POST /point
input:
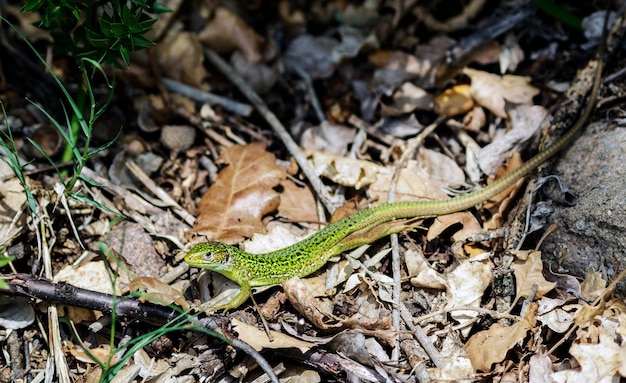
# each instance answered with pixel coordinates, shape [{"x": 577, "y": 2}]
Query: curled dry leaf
[
  {"x": 13, "y": 199},
  {"x": 150, "y": 367},
  {"x": 320, "y": 311},
  {"x": 421, "y": 273},
  {"x": 557, "y": 316},
  {"x": 454, "y": 101},
  {"x": 529, "y": 272},
  {"x": 498, "y": 205},
  {"x": 346, "y": 171},
  {"x": 412, "y": 184},
  {"x": 319, "y": 56},
  {"x": 232, "y": 208},
  {"x": 102, "y": 353},
  {"x": 593, "y": 286},
  {"x": 407, "y": 99},
  {"x": 469, "y": 226},
  {"x": 491, "y": 91},
  {"x": 155, "y": 291},
  {"x": 457, "y": 367},
  {"x": 297, "y": 203},
  {"x": 525, "y": 121},
  {"x": 466, "y": 286},
  {"x": 227, "y": 32},
  {"x": 600, "y": 360},
  {"x": 180, "y": 58},
  {"x": 327, "y": 137},
  {"x": 491, "y": 346},
  {"x": 258, "y": 338},
  {"x": 440, "y": 167}
]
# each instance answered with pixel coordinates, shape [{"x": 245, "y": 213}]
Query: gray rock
[{"x": 592, "y": 233}]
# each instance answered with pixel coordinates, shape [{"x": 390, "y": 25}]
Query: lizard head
[{"x": 214, "y": 256}]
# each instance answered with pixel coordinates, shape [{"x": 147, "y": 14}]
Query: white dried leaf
[
  {"x": 346, "y": 171},
  {"x": 491, "y": 91}
]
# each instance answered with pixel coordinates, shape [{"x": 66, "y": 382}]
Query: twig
[
  {"x": 159, "y": 192},
  {"x": 126, "y": 308},
  {"x": 395, "y": 254},
  {"x": 421, "y": 336},
  {"x": 209, "y": 98},
  {"x": 273, "y": 121},
  {"x": 315, "y": 103}
]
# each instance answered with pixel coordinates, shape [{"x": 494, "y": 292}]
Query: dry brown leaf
[
  {"x": 491, "y": 346},
  {"x": 150, "y": 366},
  {"x": 454, "y": 101},
  {"x": 466, "y": 287},
  {"x": 180, "y": 58},
  {"x": 101, "y": 353},
  {"x": 278, "y": 236},
  {"x": 469, "y": 226},
  {"x": 155, "y": 291},
  {"x": 412, "y": 184},
  {"x": 491, "y": 91},
  {"x": 499, "y": 204},
  {"x": 328, "y": 137},
  {"x": 525, "y": 122},
  {"x": 297, "y": 203},
  {"x": 421, "y": 273},
  {"x": 407, "y": 99},
  {"x": 258, "y": 338},
  {"x": 593, "y": 285},
  {"x": 530, "y": 272},
  {"x": 345, "y": 171},
  {"x": 227, "y": 32},
  {"x": 13, "y": 198},
  {"x": 555, "y": 315},
  {"x": 232, "y": 208},
  {"x": 319, "y": 311},
  {"x": 91, "y": 276},
  {"x": 601, "y": 358},
  {"x": 440, "y": 167}
]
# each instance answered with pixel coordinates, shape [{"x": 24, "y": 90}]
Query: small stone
[{"x": 178, "y": 138}]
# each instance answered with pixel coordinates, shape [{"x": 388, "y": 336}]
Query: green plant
[
  {"x": 4, "y": 260},
  {"x": 94, "y": 33},
  {"x": 103, "y": 31},
  {"x": 12, "y": 159},
  {"x": 84, "y": 122}
]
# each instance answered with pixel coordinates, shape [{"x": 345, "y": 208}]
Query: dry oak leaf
[
  {"x": 601, "y": 362},
  {"x": 490, "y": 90},
  {"x": 529, "y": 272},
  {"x": 232, "y": 208},
  {"x": 491, "y": 346}
]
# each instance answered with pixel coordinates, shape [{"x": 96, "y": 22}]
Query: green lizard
[{"x": 310, "y": 254}]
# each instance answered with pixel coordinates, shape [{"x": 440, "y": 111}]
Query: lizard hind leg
[{"x": 370, "y": 234}]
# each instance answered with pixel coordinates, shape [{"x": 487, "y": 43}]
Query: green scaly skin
[{"x": 310, "y": 254}]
